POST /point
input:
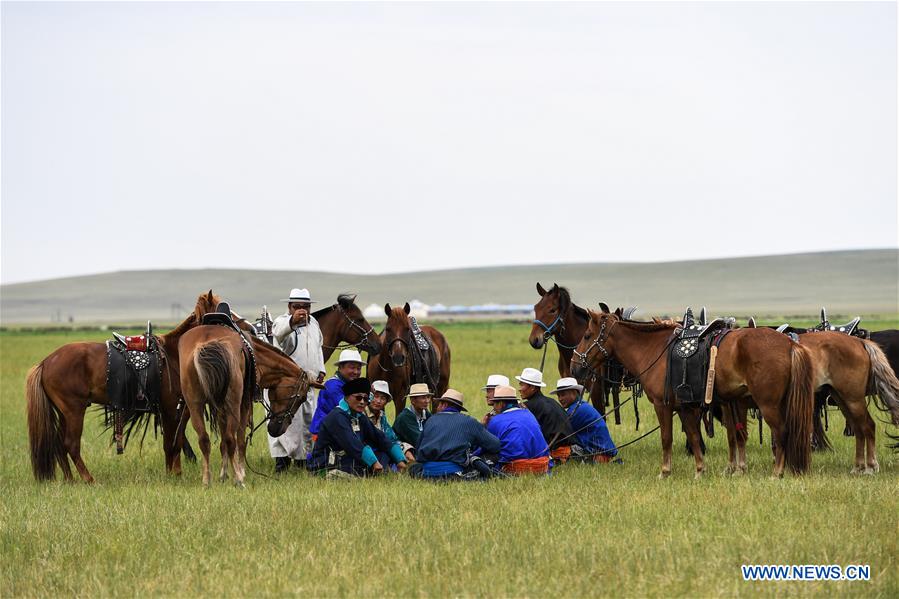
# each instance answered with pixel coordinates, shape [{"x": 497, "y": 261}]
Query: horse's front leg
[
  {"x": 73, "y": 424},
  {"x": 691, "y": 418},
  {"x": 665, "y": 416}
]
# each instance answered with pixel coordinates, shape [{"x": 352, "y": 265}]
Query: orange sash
[
  {"x": 561, "y": 454},
  {"x": 531, "y": 466}
]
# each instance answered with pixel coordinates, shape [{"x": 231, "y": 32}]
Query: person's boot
[
  {"x": 301, "y": 464},
  {"x": 282, "y": 464}
]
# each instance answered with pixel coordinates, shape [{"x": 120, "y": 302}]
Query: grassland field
[{"x": 609, "y": 530}]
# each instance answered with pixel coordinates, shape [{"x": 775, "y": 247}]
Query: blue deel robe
[
  {"x": 591, "y": 434},
  {"x": 519, "y": 435},
  {"x": 328, "y": 398}
]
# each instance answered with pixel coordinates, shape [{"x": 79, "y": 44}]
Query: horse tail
[
  {"x": 212, "y": 361},
  {"x": 44, "y": 430},
  {"x": 798, "y": 411},
  {"x": 883, "y": 385}
]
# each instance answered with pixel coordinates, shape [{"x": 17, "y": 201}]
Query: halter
[
  {"x": 597, "y": 343},
  {"x": 291, "y": 409},
  {"x": 549, "y": 332},
  {"x": 354, "y": 325},
  {"x": 387, "y": 346}
]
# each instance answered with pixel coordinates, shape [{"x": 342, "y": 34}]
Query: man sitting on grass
[
  {"x": 380, "y": 397},
  {"x": 410, "y": 422},
  {"x": 448, "y": 441},
  {"x": 593, "y": 441},
  {"x": 347, "y": 440},
  {"x": 523, "y": 449},
  {"x": 552, "y": 418}
]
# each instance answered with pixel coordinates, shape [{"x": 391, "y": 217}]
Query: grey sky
[{"x": 393, "y": 137}]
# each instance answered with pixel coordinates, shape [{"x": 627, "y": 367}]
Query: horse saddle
[
  {"x": 693, "y": 332},
  {"x": 133, "y": 373},
  {"x": 851, "y": 328},
  {"x": 688, "y": 358},
  {"x": 221, "y": 316},
  {"x": 421, "y": 340}
]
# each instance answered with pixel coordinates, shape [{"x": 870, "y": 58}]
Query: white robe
[{"x": 304, "y": 345}]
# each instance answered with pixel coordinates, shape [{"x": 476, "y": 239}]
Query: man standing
[
  {"x": 411, "y": 421},
  {"x": 448, "y": 441},
  {"x": 297, "y": 333},
  {"x": 552, "y": 418},
  {"x": 349, "y": 368},
  {"x": 347, "y": 441},
  {"x": 593, "y": 441},
  {"x": 523, "y": 449}
]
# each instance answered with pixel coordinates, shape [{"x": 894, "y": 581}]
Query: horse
[
  {"x": 849, "y": 369},
  {"x": 60, "y": 388},
  {"x": 343, "y": 322},
  {"x": 215, "y": 374},
  {"x": 401, "y": 362},
  {"x": 760, "y": 364}
]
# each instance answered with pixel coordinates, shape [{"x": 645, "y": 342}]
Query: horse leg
[
  {"x": 665, "y": 417},
  {"x": 742, "y": 438},
  {"x": 856, "y": 411},
  {"x": 170, "y": 441},
  {"x": 616, "y": 401},
  {"x": 691, "y": 428},
  {"x": 771, "y": 414},
  {"x": 74, "y": 424},
  {"x": 729, "y": 427},
  {"x": 196, "y": 419},
  {"x": 873, "y": 466}
]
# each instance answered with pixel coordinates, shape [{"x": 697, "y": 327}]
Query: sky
[{"x": 380, "y": 137}]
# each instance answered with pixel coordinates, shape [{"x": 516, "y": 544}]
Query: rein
[{"x": 353, "y": 325}]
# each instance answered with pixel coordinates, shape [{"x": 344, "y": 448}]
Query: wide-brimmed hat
[
  {"x": 454, "y": 397},
  {"x": 300, "y": 296},
  {"x": 495, "y": 380},
  {"x": 349, "y": 355},
  {"x": 360, "y": 385},
  {"x": 566, "y": 384},
  {"x": 419, "y": 390},
  {"x": 531, "y": 376},
  {"x": 505, "y": 393},
  {"x": 381, "y": 387}
]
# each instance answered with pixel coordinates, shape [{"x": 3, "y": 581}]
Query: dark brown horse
[
  {"x": 758, "y": 363},
  {"x": 214, "y": 374},
  {"x": 342, "y": 323},
  {"x": 401, "y": 363},
  {"x": 60, "y": 389}
]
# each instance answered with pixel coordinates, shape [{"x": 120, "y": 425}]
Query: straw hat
[
  {"x": 531, "y": 376},
  {"x": 505, "y": 393},
  {"x": 419, "y": 390},
  {"x": 454, "y": 397},
  {"x": 495, "y": 380},
  {"x": 566, "y": 384}
]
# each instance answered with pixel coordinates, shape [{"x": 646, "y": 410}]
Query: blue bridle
[{"x": 549, "y": 331}]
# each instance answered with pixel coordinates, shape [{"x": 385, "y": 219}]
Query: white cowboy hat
[
  {"x": 495, "y": 380},
  {"x": 566, "y": 384},
  {"x": 531, "y": 376},
  {"x": 381, "y": 387},
  {"x": 349, "y": 355},
  {"x": 300, "y": 296}
]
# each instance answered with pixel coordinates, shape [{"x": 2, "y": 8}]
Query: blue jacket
[
  {"x": 591, "y": 434},
  {"x": 353, "y": 434},
  {"x": 328, "y": 398},
  {"x": 450, "y": 436},
  {"x": 519, "y": 435}
]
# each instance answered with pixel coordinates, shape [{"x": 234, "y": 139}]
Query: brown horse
[
  {"x": 214, "y": 374},
  {"x": 343, "y": 322},
  {"x": 62, "y": 386},
  {"x": 401, "y": 363},
  {"x": 849, "y": 369},
  {"x": 557, "y": 317},
  {"x": 758, "y": 363}
]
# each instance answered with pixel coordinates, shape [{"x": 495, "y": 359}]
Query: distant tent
[{"x": 373, "y": 311}]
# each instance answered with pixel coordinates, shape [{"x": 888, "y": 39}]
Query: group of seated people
[{"x": 522, "y": 435}]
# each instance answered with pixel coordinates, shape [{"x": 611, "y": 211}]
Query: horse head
[
  {"x": 356, "y": 329},
  {"x": 549, "y": 314},
  {"x": 596, "y": 346},
  {"x": 398, "y": 333},
  {"x": 287, "y": 385},
  {"x": 206, "y": 303}
]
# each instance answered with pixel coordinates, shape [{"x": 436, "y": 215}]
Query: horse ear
[
  {"x": 603, "y": 307},
  {"x": 407, "y": 308},
  {"x": 209, "y": 297},
  {"x": 540, "y": 289},
  {"x": 555, "y": 288},
  {"x": 618, "y": 312},
  {"x": 387, "y": 309}
]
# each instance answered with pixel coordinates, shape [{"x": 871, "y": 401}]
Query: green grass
[{"x": 587, "y": 530}]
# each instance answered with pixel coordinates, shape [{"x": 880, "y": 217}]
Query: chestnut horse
[
  {"x": 213, "y": 373},
  {"x": 62, "y": 386},
  {"x": 758, "y": 363},
  {"x": 396, "y": 364},
  {"x": 850, "y": 369},
  {"x": 343, "y": 322}
]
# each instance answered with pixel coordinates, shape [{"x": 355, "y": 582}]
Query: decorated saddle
[
  {"x": 850, "y": 328},
  {"x": 425, "y": 365},
  {"x": 688, "y": 358}
]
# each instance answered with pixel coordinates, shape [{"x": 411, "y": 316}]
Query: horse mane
[
  {"x": 647, "y": 327},
  {"x": 565, "y": 302},
  {"x": 344, "y": 300},
  {"x": 256, "y": 343}
]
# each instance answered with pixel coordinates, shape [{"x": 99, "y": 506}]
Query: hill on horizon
[{"x": 860, "y": 282}]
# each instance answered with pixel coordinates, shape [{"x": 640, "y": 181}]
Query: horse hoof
[
  {"x": 239, "y": 484},
  {"x": 857, "y": 470},
  {"x": 664, "y": 475},
  {"x": 697, "y": 475},
  {"x": 729, "y": 470}
]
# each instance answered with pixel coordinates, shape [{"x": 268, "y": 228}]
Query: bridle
[
  {"x": 597, "y": 343},
  {"x": 388, "y": 345},
  {"x": 363, "y": 342},
  {"x": 550, "y": 332},
  {"x": 295, "y": 401}
]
